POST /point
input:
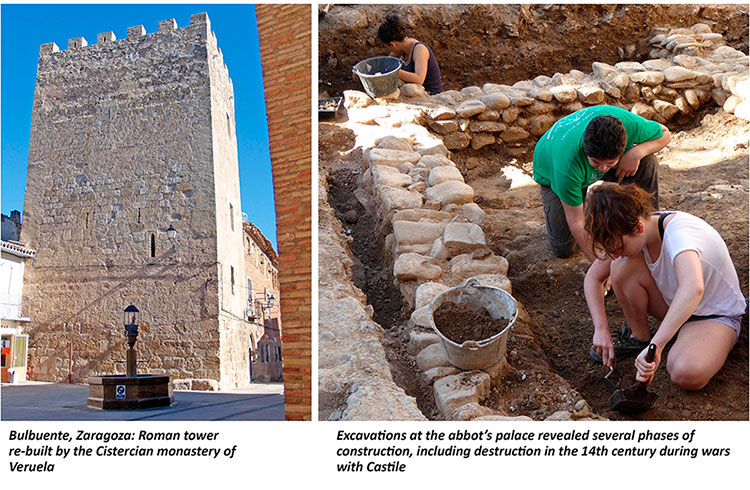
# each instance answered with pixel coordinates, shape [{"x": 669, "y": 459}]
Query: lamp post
[
  {"x": 130, "y": 320},
  {"x": 172, "y": 235}
]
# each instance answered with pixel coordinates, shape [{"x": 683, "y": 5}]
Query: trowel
[{"x": 637, "y": 399}]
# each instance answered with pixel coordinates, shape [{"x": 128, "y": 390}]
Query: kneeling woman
[
  {"x": 420, "y": 65},
  {"x": 671, "y": 265}
]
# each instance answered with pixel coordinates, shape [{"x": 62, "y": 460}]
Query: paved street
[{"x": 49, "y": 401}]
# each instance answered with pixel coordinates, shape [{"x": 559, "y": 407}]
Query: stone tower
[{"x": 128, "y": 138}]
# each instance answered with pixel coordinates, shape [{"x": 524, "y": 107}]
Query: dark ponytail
[{"x": 391, "y": 30}]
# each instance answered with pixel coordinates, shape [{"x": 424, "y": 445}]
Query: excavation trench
[{"x": 703, "y": 171}]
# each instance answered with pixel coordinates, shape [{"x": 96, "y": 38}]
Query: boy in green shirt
[{"x": 599, "y": 142}]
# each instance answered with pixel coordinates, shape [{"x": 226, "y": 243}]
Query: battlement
[{"x": 165, "y": 27}]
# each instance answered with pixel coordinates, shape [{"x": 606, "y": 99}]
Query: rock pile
[{"x": 690, "y": 67}]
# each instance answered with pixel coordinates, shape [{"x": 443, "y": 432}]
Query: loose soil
[
  {"x": 459, "y": 322},
  {"x": 704, "y": 171}
]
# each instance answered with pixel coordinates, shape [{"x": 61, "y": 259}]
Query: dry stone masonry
[
  {"x": 689, "y": 68},
  {"x": 425, "y": 210},
  {"x": 129, "y": 137}
]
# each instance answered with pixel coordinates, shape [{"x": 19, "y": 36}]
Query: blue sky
[{"x": 25, "y": 27}]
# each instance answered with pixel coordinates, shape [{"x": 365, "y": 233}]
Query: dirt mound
[{"x": 476, "y": 44}]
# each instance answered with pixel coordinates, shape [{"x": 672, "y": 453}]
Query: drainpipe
[{"x": 70, "y": 365}]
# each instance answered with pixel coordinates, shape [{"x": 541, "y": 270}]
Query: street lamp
[
  {"x": 130, "y": 320},
  {"x": 172, "y": 235}
]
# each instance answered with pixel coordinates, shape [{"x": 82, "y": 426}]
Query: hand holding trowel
[{"x": 637, "y": 399}]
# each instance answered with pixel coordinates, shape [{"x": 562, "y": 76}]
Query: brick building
[{"x": 285, "y": 47}]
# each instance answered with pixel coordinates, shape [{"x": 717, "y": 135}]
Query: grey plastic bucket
[
  {"x": 477, "y": 354},
  {"x": 379, "y": 75}
]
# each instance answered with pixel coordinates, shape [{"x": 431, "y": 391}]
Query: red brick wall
[{"x": 285, "y": 49}]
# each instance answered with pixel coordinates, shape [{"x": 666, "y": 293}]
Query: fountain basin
[{"x": 119, "y": 392}]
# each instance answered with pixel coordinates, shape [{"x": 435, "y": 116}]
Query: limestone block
[
  {"x": 474, "y": 213},
  {"x": 647, "y": 94},
  {"x": 498, "y": 370},
  {"x": 394, "y": 143},
  {"x": 356, "y": 99},
  {"x": 488, "y": 115},
  {"x": 560, "y": 415},
  {"x": 692, "y": 98},
  {"x": 629, "y": 67},
  {"x": 389, "y": 176},
  {"x": 486, "y": 126},
  {"x": 611, "y": 90},
  {"x": 667, "y": 92},
  {"x": 731, "y": 104},
  {"x": 438, "y": 175},
  {"x": 461, "y": 238},
  {"x": 433, "y": 374},
  {"x": 471, "y": 411},
  {"x": 678, "y": 74},
  {"x": 393, "y": 198},
  {"x": 513, "y": 134},
  {"x": 471, "y": 92},
  {"x": 457, "y": 140},
  {"x": 465, "y": 266},
  {"x": 470, "y": 108},
  {"x": 684, "y": 84},
  {"x": 666, "y": 109},
  {"x": 700, "y": 28},
  {"x": 564, "y": 94},
  {"x": 541, "y": 94},
  {"x": 714, "y": 40},
  {"x": 519, "y": 99},
  {"x": 421, "y": 317},
  {"x": 441, "y": 113},
  {"x": 496, "y": 280},
  {"x": 685, "y": 61},
  {"x": 727, "y": 52},
  {"x": 703, "y": 95},
  {"x": 591, "y": 94},
  {"x": 739, "y": 85},
  {"x": 419, "y": 340},
  {"x": 404, "y": 168},
  {"x": 650, "y": 78},
  {"x": 643, "y": 110},
  {"x": 412, "y": 266},
  {"x": 510, "y": 114},
  {"x": 432, "y": 161},
  {"x": 742, "y": 110},
  {"x": 413, "y": 232},
  {"x": 480, "y": 140},
  {"x": 419, "y": 173},
  {"x": 386, "y": 156},
  {"x": 428, "y": 204},
  {"x": 443, "y": 126},
  {"x": 538, "y": 125},
  {"x": 412, "y": 90},
  {"x": 496, "y": 101},
  {"x": 463, "y": 124},
  {"x": 426, "y": 292},
  {"x": 577, "y": 75},
  {"x": 658, "y": 64},
  {"x": 682, "y": 105},
  {"x": 540, "y": 107},
  {"x": 432, "y": 356},
  {"x": 435, "y": 147},
  {"x": 418, "y": 187},
  {"x": 506, "y": 418},
  {"x": 450, "y": 192},
  {"x": 451, "y": 392},
  {"x": 573, "y": 106},
  {"x": 439, "y": 250},
  {"x": 603, "y": 70}
]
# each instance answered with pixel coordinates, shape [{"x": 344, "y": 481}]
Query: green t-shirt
[{"x": 559, "y": 160}]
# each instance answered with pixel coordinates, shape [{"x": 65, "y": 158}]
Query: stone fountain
[{"x": 131, "y": 391}]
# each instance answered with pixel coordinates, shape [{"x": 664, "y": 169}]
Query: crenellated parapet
[{"x": 168, "y": 26}]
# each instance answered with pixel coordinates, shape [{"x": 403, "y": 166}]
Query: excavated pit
[{"x": 704, "y": 171}]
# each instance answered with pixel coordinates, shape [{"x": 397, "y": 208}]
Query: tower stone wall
[{"x": 128, "y": 138}]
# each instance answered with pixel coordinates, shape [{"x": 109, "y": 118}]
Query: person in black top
[{"x": 420, "y": 65}]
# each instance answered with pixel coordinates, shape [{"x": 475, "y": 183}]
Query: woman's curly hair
[
  {"x": 612, "y": 211},
  {"x": 392, "y": 29}
]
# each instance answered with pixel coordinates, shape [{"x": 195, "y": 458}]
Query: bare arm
[
  {"x": 630, "y": 160},
  {"x": 420, "y": 56},
  {"x": 686, "y": 299},
  {"x": 593, "y": 288},
  {"x": 574, "y": 217}
]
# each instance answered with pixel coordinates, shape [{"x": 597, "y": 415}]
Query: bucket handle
[{"x": 471, "y": 345}]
